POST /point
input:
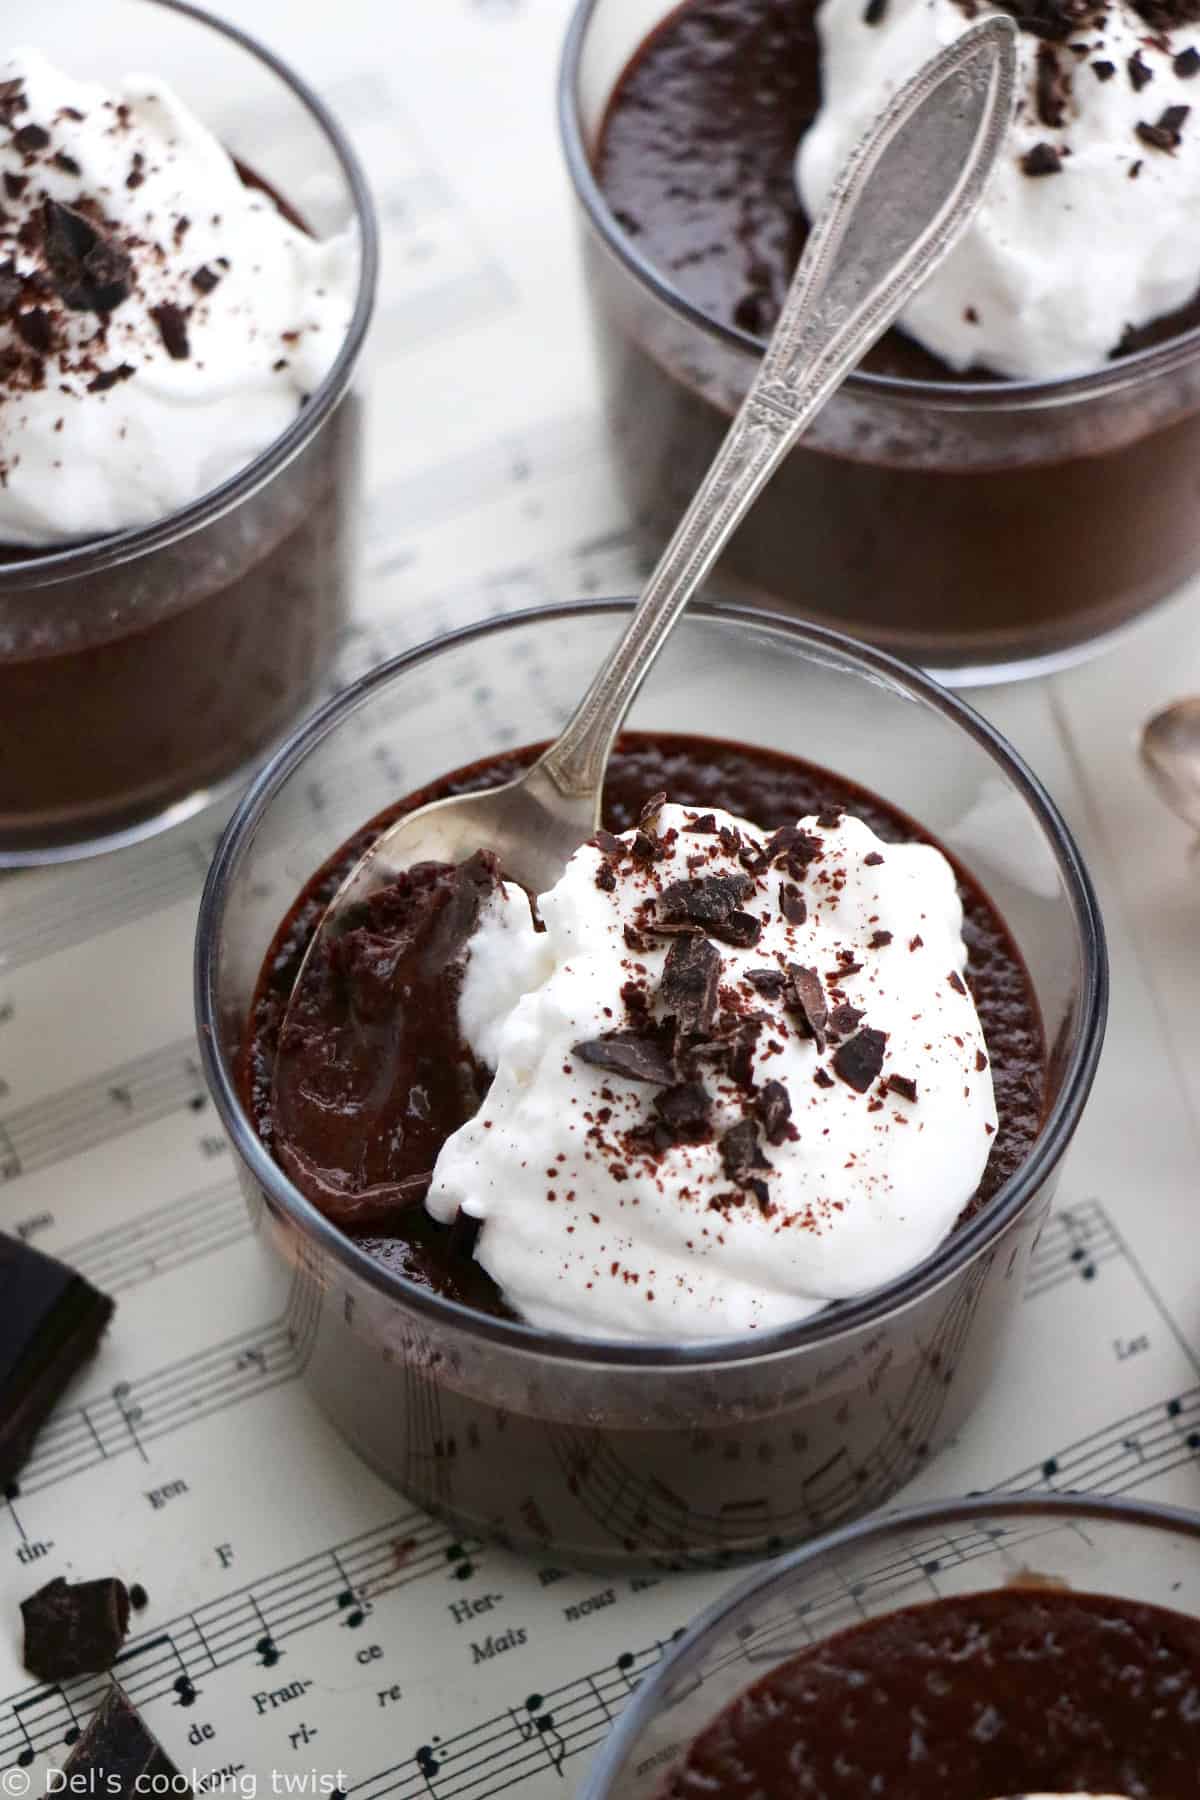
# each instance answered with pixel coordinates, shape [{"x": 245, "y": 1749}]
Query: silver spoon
[
  {"x": 902, "y": 201},
  {"x": 1170, "y": 749}
]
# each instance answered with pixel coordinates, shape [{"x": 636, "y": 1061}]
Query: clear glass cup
[
  {"x": 985, "y": 530},
  {"x": 141, "y": 674},
  {"x": 1129, "y": 1550},
  {"x": 606, "y": 1453}
]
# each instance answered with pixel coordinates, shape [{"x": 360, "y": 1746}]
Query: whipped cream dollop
[
  {"x": 738, "y": 1075},
  {"x": 161, "y": 322},
  {"x": 1090, "y": 226}
]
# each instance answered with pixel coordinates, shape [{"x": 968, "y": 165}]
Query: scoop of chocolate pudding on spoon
[{"x": 904, "y": 197}]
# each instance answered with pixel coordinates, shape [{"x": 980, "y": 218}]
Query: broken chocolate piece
[
  {"x": 117, "y": 1757},
  {"x": 904, "y": 1085},
  {"x": 792, "y": 904},
  {"x": 690, "y": 978},
  {"x": 845, "y": 1018},
  {"x": 610, "y": 844},
  {"x": 740, "y": 1152},
  {"x": 769, "y": 982},
  {"x": 606, "y": 878},
  {"x": 172, "y": 329},
  {"x": 874, "y": 859},
  {"x": 51, "y": 1321},
  {"x": 879, "y": 939},
  {"x": 1052, "y": 87},
  {"x": 1187, "y": 64},
  {"x": 91, "y": 273},
  {"x": 1167, "y": 133},
  {"x": 859, "y": 1060},
  {"x": 741, "y": 929},
  {"x": 823, "y": 1078},
  {"x": 774, "y": 1109},
  {"x": 653, "y": 807},
  {"x": 810, "y": 998},
  {"x": 1104, "y": 70},
  {"x": 956, "y": 981},
  {"x": 1043, "y": 159},
  {"x": 629, "y": 1053},
  {"x": 704, "y": 826},
  {"x": 707, "y": 901},
  {"x": 1140, "y": 71},
  {"x": 30, "y": 138},
  {"x": 74, "y": 1628},
  {"x": 204, "y": 279},
  {"x": 684, "y": 1110}
]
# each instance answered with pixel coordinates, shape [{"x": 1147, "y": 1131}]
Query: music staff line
[
  {"x": 169, "y": 1237},
  {"x": 249, "y": 1623},
  {"x": 136, "y": 1413}
]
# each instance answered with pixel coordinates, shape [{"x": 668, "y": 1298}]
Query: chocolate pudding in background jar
[
  {"x": 187, "y": 266},
  {"x": 1014, "y": 474},
  {"x": 818, "y": 1224}
]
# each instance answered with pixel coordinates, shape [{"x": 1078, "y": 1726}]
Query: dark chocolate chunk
[
  {"x": 66, "y": 163},
  {"x": 35, "y": 329},
  {"x": 1043, "y": 159},
  {"x": 644, "y": 848},
  {"x": 51, "y": 1320},
  {"x": 204, "y": 279},
  {"x": 12, "y": 99},
  {"x": 879, "y": 940},
  {"x": 1140, "y": 71},
  {"x": 30, "y": 138},
  {"x": 15, "y": 185},
  {"x": 741, "y": 929},
  {"x": 704, "y": 826},
  {"x": 873, "y": 12},
  {"x": 10, "y": 286},
  {"x": 859, "y": 1059},
  {"x": 630, "y": 1053},
  {"x": 741, "y": 1155},
  {"x": 792, "y": 904},
  {"x": 981, "y": 1061},
  {"x": 1104, "y": 70},
  {"x": 844, "y": 1019},
  {"x": 690, "y": 978},
  {"x": 606, "y": 877},
  {"x": 830, "y": 817},
  {"x": 770, "y": 982},
  {"x": 1187, "y": 64},
  {"x": 904, "y": 1085},
  {"x": 610, "y": 844},
  {"x": 774, "y": 1108},
  {"x": 1052, "y": 87},
  {"x": 172, "y": 329},
  {"x": 91, "y": 273},
  {"x": 74, "y": 1628},
  {"x": 117, "y": 1757},
  {"x": 810, "y": 998},
  {"x": 684, "y": 1110},
  {"x": 707, "y": 901},
  {"x": 873, "y": 861},
  {"x": 1167, "y": 133},
  {"x": 823, "y": 1078}
]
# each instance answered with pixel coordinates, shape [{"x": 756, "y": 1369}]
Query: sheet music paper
[{"x": 305, "y": 1622}]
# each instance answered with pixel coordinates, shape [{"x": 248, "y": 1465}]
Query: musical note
[
  {"x": 131, "y": 1414},
  {"x": 625, "y": 1664},
  {"x": 428, "y": 1764},
  {"x": 548, "y": 1732}
]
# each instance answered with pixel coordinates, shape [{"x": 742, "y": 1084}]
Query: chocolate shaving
[
  {"x": 879, "y": 940},
  {"x": 845, "y": 1018},
  {"x": 810, "y": 999},
  {"x": 1043, "y": 159},
  {"x": 12, "y": 99},
  {"x": 1140, "y": 72},
  {"x": 690, "y": 978},
  {"x": 956, "y": 981},
  {"x": 74, "y": 1628},
  {"x": 10, "y": 286},
  {"x": 66, "y": 163},
  {"x": 610, "y": 844},
  {"x": 684, "y": 1110},
  {"x": 774, "y": 1108},
  {"x": 606, "y": 878},
  {"x": 769, "y": 982},
  {"x": 704, "y": 826},
  {"x": 981, "y": 1061},
  {"x": 859, "y": 1060},
  {"x": 653, "y": 807},
  {"x": 91, "y": 273},
  {"x": 873, "y": 861},
  {"x": 108, "y": 378},
  {"x": 823, "y": 1078},
  {"x": 629, "y": 1053},
  {"x": 904, "y": 1085},
  {"x": 172, "y": 329}
]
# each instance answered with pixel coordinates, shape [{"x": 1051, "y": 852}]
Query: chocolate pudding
[
  {"x": 996, "y": 1694},
  {"x": 371, "y": 1075},
  {"x": 959, "y": 518},
  {"x": 167, "y": 319}
]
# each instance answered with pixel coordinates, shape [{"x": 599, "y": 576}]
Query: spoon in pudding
[{"x": 903, "y": 199}]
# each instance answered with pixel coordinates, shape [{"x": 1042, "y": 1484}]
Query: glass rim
[
  {"x": 833, "y": 1322},
  {"x": 47, "y": 567},
  {"x": 957, "y": 396},
  {"x": 934, "y": 1514}
]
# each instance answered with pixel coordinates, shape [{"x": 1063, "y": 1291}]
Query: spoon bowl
[{"x": 1170, "y": 749}]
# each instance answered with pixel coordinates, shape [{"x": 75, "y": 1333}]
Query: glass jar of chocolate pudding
[
  {"x": 626, "y": 1441},
  {"x": 981, "y": 1649},
  {"x": 986, "y": 528},
  {"x": 188, "y": 285}
]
